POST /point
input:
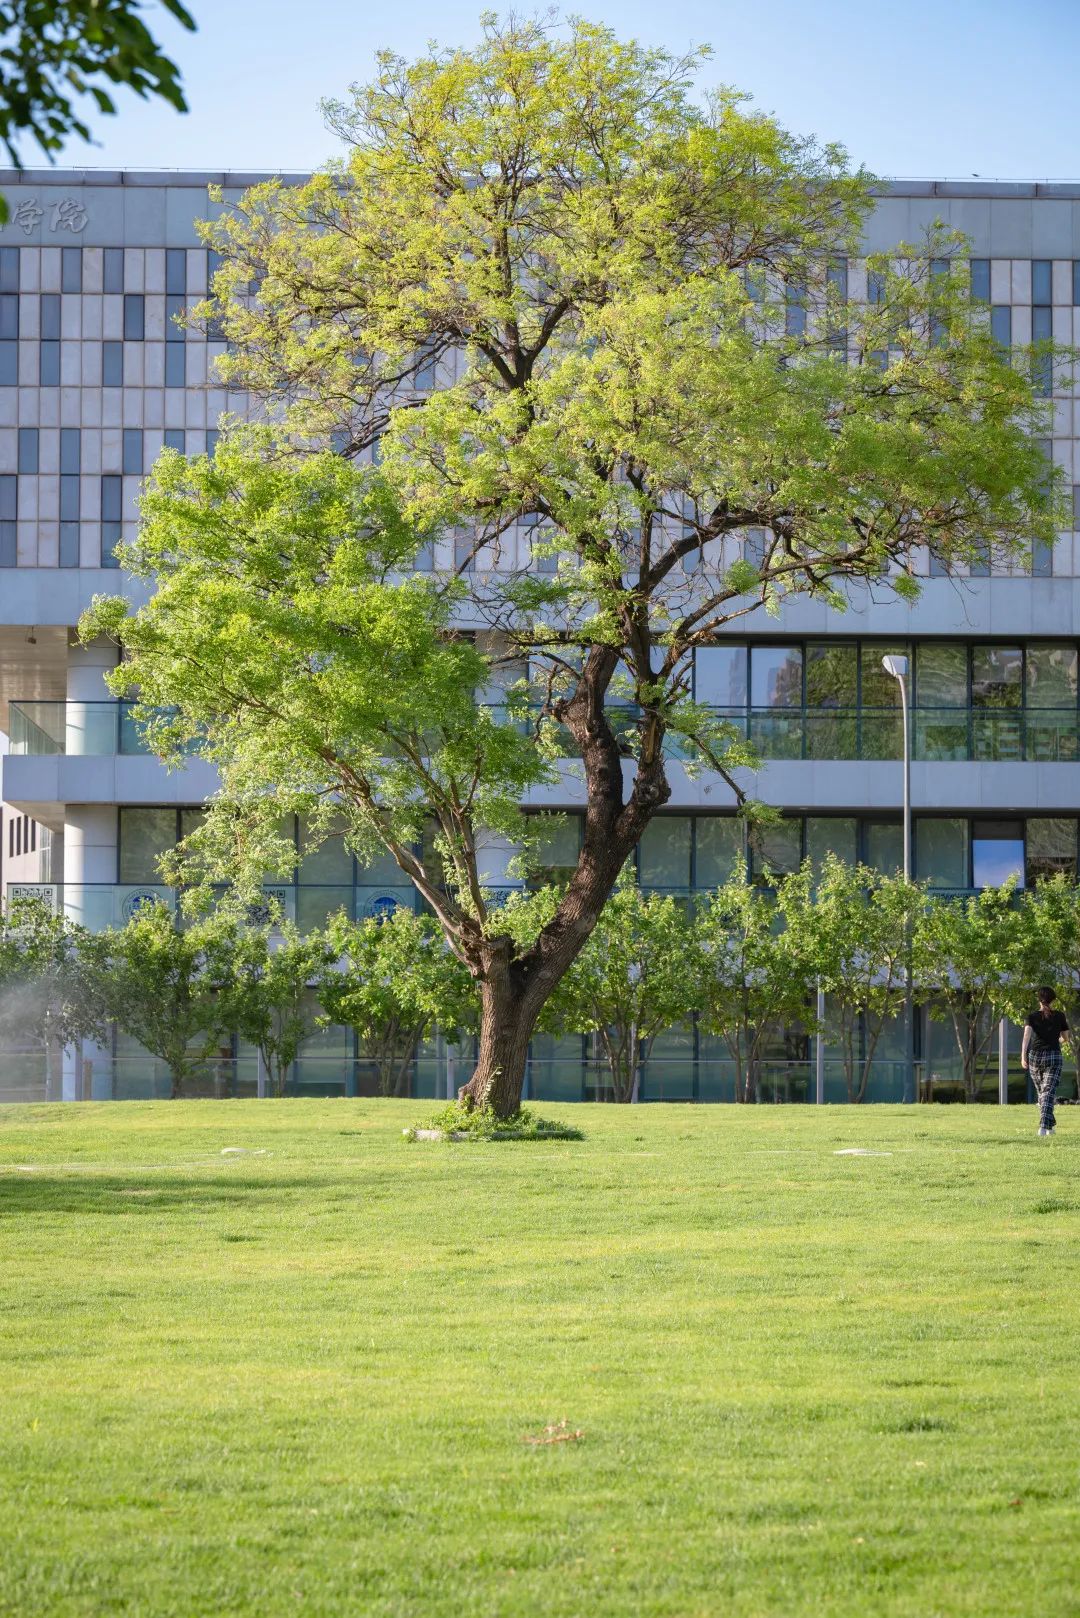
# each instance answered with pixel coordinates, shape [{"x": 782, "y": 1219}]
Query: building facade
[{"x": 96, "y": 375}]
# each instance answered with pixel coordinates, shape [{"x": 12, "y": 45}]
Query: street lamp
[{"x": 898, "y": 668}]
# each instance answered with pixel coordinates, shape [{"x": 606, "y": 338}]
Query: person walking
[{"x": 1040, "y": 1055}]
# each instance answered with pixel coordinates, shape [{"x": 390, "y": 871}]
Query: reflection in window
[
  {"x": 997, "y": 852},
  {"x": 776, "y": 676},
  {"x": 719, "y": 852},
  {"x": 996, "y": 674},
  {"x": 883, "y": 842},
  {"x": 832, "y": 675},
  {"x": 1051, "y": 677},
  {"x": 777, "y": 848},
  {"x": 555, "y": 853},
  {"x": 941, "y": 677},
  {"x": 941, "y": 852},
  {"x": 145, "y": 835},
  {"x": 1051, "y": 850},
  {"x": 831, "y": 834},
  {"x": 664, "y": 853},
  {"x": 720, "y": 676}
]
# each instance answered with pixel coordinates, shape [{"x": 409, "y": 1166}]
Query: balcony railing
[{"x": 939, "y": 735}]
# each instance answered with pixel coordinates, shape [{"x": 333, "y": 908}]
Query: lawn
[{"x": 299, "y": 1383}]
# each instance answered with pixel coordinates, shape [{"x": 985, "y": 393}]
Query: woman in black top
[{"x": 1040, "y": 1055}]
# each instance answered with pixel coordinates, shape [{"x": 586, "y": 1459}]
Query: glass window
[
  {"x": 9, "y": 496},
  {"x": 664, "y": 853},
  {"x": 9, "y": 542},
  {"x": 9, "y": 269},
  {"x": 111, "y": 498},
  {"x": 9, "y": 315},
  {"x": 175, "y": 438},
  {"x": 883, "y": 846},
  {"x": 997, "y": 852},
  {"x": 1076, "y": 281},
  {"x": 1001, "y": 324},
  {"x": 795, "y": 309},
  {"x": 212, "y": 436},
  {"x": 1051, "y": 673},
  {"x": 718, "y": 849},
  {"x": 980, "y": 279},
  {"x": 70, "y": 449},
  {"x": 837, "y": 287},
  {"x": 776, "y": 676},
  {"x": 777, "y": 848},
  {"x": 50, "y": 315},
  {"x": 382, "y": 871},
  {"x": 71, "y": 269},
  {"x": 558, "y": 842},
  {"x": 133, "y": 451},
  {"x": 112, "y": 365},
  {"x": 134, "y": 317},
  {"x": 1041, "y": 281},
  {"x": 1042, "y": 369},
  {"x": 330, "y": 863},
  {"x": 49, "y": 365},
  {"x": 175, "y": 270},
  {"x": 1076, "y": 507},
  {"x": 941, "y": 676},
  {"x": 9, "y": 363},
  {"x": 720, "y": 676},
  {"x": 175, "y": 367},
  {"x": 69, "y": 499},
  {"x": 113, "y": 269},
  {"x": 754, "y": 547},
  {"x": 996, "y": 675},
  {"x": 831, "y": 834},
  {"x": 1051, "y": 850},
  {"x": 875, "y": 286},
  {"x": 832, "y": 675},
  {"x": 145, "y": 835},
  {"x": 69, "y": 540},
  {"x": 28, "y": 449},
  {"x": 941, "y": 852},
  {"x": 174, "y": 312}
]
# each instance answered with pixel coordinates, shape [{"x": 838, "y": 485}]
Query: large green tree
[{"x": 560, "y": 300}]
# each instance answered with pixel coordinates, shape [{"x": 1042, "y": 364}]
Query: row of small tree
[{"x": 747, "y": 962}]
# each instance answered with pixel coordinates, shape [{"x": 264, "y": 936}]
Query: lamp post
[{"x": 898, "y": 667}]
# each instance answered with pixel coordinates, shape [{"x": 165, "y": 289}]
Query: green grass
[{"x": 299, "y": 1383}]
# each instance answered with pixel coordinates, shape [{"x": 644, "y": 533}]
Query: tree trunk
[{"x": 507, "y": 1020}]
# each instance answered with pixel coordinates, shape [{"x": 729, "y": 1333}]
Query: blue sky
[{"x": 926, "y": 88}]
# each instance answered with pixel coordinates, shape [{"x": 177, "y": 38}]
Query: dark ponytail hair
[{"x": 1046, "y": 996}]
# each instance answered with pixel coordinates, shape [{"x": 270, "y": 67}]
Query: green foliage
[
  {"x": 752, "y": 979},
  {"x": 975, "y": 960},
  {"x": 56, "y": 50},
  {"x": 262, "y": 974},
  {"x": 481, "y": 1123},
  {"x": 46, "y": 993},
  {"x": 393, "y": 980},
  {"x": 629, "y": 983},
  {"x": 161, "y": 983},
  {"x": 852, "y": 928}
]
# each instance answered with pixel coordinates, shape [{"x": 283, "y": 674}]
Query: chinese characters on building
[{"x": 66, "y": 213}]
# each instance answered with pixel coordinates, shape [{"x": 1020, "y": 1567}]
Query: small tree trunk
[{"x": 507, "y": 1020}]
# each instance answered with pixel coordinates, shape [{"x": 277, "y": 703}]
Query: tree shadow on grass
[{"x": 40, "y": 1193}]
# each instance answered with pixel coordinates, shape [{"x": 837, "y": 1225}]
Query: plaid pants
[{"x": 1045, "y": 1069}]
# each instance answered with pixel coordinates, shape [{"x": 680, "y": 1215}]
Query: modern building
[{"x": 96, "y": 375}]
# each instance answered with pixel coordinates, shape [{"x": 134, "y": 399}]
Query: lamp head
[{"x": 896, "y": 666}]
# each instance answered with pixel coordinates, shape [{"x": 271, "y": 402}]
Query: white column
[
  {"x": 89, "y": 727},
  {"x": 90, "y": 844}
]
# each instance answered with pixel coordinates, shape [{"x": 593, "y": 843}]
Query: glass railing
[
  {"x": 79, "y": 729},
  {"x": 939, "y": 735}
]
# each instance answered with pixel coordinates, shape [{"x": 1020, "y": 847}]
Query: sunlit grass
[{"x": 300, "y": 1382}]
